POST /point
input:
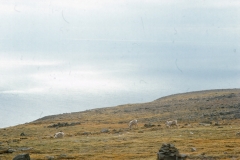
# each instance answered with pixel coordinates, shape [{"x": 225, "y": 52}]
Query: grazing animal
[
  {"x": 133, "y": 123},
  {"x": 59, "y": 135},
  {"x": 171, "y": 123}
]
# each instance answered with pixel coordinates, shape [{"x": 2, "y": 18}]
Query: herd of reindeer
[
  {"x": 131, "y": 124},
  {"x": 168, "y": 123}
]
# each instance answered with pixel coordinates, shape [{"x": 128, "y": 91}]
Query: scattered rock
[
  {"x": 149, "y": 125},
  {"x": 22, "y": 134},
  {"x": 25, "y": 148},
  {"x": 193, "y": 149},
  {"x": 237, "y": 116},
  {"x": 87, "y": 133},
  {"x": 49, "y": 157},
  {"x": 63, "y": 156},
  {"x": 11, "y": 150},
  {"x": 117, "y": 131},
  {"x": 2, "y": 151},
  {"x": 24, "y": 156},
  {"x": 104, "y": 131},
  {"x": 16, "y": 140},
  {"x": 183, "y": 156},
  {"x": 205, "y": 124}
]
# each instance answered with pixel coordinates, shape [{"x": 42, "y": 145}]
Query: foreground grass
[{"x": 140, "y": 143}]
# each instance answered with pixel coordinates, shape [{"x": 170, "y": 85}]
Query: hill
[
  {"x": 208, "y": 121},
  {"x": 192, "y": 106}
]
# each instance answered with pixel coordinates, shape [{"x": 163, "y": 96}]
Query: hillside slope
[{"x": 208, "y": 105}]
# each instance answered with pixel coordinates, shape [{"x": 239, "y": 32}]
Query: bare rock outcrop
[{"x": 57, "y": 125}]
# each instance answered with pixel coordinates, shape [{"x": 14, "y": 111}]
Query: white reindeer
[
  {"x": 171, "y": 123},
  {"x": 133, "y": 123},
  {"x": 59, "y": 135}
]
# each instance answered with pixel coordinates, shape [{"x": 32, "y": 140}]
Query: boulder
[
  {"x": 22, "y": 134},
  {"x": 170, "y": 152},
  {"x": 24, "y": 156},
  {"x": 104, "y": 131}
]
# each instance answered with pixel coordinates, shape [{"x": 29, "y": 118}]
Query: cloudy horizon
[{"x": 63, "y": 56}]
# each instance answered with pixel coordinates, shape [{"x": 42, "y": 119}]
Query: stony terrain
[{"x": 208, "y": 127}]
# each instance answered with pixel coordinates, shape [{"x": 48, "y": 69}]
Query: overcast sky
[{"x": 64, "y": 56}]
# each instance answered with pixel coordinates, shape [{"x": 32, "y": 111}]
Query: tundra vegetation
[{"x": 208, "y": 127}]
